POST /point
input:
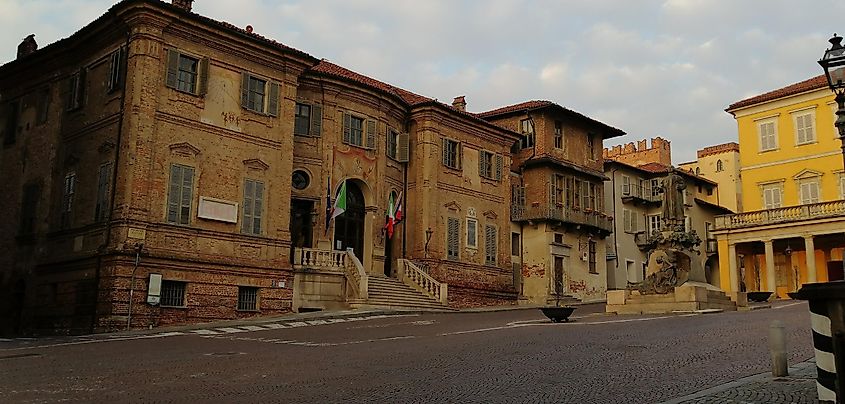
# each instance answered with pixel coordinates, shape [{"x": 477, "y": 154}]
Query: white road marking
[
  {"x": 545, "y": 323},
  {"x": 317, "y": 322},
  {"x": 205, "y": 332},
  {"x": 252, "y": 328},
  {"x": 297, "y": 324},
  {"x": 274, "y": 326},
  {"x": 230, "y": 330},
  {"x": 787, "y": 305}
]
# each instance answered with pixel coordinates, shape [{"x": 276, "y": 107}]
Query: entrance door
[
  {"x": 558, "y": 275},
  {"x": 301, "y": 224},
  {"x": 349, "y": 226}
]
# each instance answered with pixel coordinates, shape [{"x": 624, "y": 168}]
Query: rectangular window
[
  {"x": 809, "y": 191},
  {"x": 576, "y": 193},
  {"x": 768, "y": 136},
  {"x": 68, "y": 192},
  {"x": 592, "y": 257},
  {"x": 527, "y": 130},
  {"x": 490, "y": 165},
  {"x": 29, "y": 208},
  {"x": 654, "y": 224},
  {"x": 453, "y": 229},
  {"x": 302, "y": 120},
  {"x": 10, "y": 130},
  {"x": 558, "y": 135},
  {"x": 188, "y": 74},
  {"x": 626, "y": 185},
  {"x": 629, "y": 221},
  {"x": 472, "y": 233},
  {"x": 247, "y": 298},
  {"x": 490, "y": 235},
  {"x": 515, "y": 241},
  {"x": 557, "y": 239},
  {"x": 354, "y": 128},
  {"x": 772, "y": 196},
  {"x": 180, "y": 194},
  {"x": 253, "y": 206},
  {"x": 76, "y": 89},
  {"x": 172, "y": 294},
  {"x": 591, "y": 146},
  {"x": 115, "y": 70},
  {"x": 804, "y": 131},
  {"x": 557, "y": 190},
  {"x": 655, "y": 187},
  {"x": 451, "y": 153},
  {"x": 585, "y": 196},
  {"x": 392, "y": 143},
  {"x": 259, "y": 95},
  {"x": 103, "y": 192}
]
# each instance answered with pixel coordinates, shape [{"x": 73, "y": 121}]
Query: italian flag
[
  {"x": 394, "y": 214},
  {"x": 339, "y": 201}
]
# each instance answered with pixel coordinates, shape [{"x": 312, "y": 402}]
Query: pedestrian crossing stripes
[{"x": 283, "y": 325}]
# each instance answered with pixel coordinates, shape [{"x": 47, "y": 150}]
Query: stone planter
[
  {"x": 558, "y": 314},
  {"x": 758, "y": 296}
]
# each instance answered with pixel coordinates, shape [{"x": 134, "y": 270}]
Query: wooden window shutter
[
  {"x": 459, "y": 151},
  {"x": 552, "y": 194},
  {"x": 244, "y": 89},
  {"x": 444, "y": 146},
  {"x": 115, "y": 75},
  {"x": 347, "y": 128},
  {"x": 249, "y": 188},
  {"x": 172, "y": 79},
  {"x": 258, "y": 207},
  {"x": 482, "y": 163},
  {"x": 203, "y": 77},
  {"x": 273, "y": 99},
  {"x": 316, "y": 120},
  {"x": 498, "y": 167},
  {"x": 402, "y": 147},
  {"x": 371, "y": 134},
  {"x": 173, "y": 193}
]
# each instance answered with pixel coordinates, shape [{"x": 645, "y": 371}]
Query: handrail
[
  {"x": 415, "y": 277},
  {"x": 781, "y": 215},
  {"x": 325, "y": 260},
  {"x": 356, "y": 276}
]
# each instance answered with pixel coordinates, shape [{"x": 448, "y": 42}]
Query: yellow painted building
[{"x": 792, "y": 185}]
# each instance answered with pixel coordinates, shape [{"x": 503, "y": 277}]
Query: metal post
[
  {"x": 777, "y": 346},
  {"x": 138, "y": 249}
]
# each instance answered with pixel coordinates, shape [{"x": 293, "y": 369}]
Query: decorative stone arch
[{"x": 370, "y": 209}]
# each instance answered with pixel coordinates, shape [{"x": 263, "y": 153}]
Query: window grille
[
  {"x": 247, "y": 298},
  {"x": 172, "y": 294}
]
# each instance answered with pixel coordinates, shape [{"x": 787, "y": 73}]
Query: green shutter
[
  {"x": 481, "y": 160},
  {"x": 316, "y": 120},
  {"x": 245, "y": 90},
  {"x": 371, "y": 134},
  {"x": 203, "y": 77},
  {"x": 347, "y": 128},
  {"x": 172, "y": 78},
  {"x": 273, "y": 100}
]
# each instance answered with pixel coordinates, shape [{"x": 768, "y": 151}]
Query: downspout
[
  {"x": 405, "y": 187},
  {"x": 522, "y": 223},
  {"x": 103, "y": 249}
]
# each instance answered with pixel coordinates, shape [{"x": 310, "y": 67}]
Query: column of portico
[
  {"x": 734, "y": 269},
  {"x": 810, "y": 250},
  {"x": 770, "y": 266}
]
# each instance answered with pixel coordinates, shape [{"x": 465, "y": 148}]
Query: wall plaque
[{"x": 218, "y": 209}]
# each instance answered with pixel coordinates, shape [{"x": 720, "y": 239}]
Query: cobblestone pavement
[
  {"x": 799, "y": 387},
  {"x": 497, "y": 357}
]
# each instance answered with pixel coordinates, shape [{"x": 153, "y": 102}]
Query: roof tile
[{"x": 814, "y": 83}]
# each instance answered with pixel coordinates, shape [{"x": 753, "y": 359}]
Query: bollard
[{"x": 777, "y": 346}]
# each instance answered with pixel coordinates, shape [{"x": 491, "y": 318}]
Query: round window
[{"x": 300, "y": 179}]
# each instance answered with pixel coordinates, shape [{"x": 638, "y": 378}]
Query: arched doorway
[{"x": 349, "y": 226}]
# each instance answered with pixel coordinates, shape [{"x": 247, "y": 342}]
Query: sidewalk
[{"x": 797, "y": 388}]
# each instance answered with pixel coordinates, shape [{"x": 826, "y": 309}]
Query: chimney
[
  {"x": 27, "y": 46},
  {"x": 459, "y": 103},
  {"x": 183, "y": 4}
]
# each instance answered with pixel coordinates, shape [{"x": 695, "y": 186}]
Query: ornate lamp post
[{"x": 833, "y": 63}]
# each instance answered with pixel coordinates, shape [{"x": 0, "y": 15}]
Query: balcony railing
[
  {"x": 640, "y": 193},
  {"x": 781, "y": 215},
  {"x": 562, "y": 213}
]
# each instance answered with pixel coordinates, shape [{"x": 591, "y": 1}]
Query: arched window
[{"x": 719, "y": 166}]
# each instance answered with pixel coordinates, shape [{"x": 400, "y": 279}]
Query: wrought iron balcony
[
  {"x": 541, "y": 212},
  {"x": 781, "y": 215}
]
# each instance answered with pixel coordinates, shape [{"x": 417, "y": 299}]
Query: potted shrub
[{"x": 558, "y": 313}]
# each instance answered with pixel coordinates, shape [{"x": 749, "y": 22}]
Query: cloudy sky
[{"x": 649, "y": 67}]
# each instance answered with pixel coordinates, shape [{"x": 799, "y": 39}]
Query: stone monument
[{"x": 674, "y": 278}]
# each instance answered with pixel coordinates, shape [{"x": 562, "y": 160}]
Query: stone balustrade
[
  {"x": 781, "y": 215},
  {"x": 416, "y": 278},
  {"x": 323, "y": 260},
  {"x": 356, "y": 277}
]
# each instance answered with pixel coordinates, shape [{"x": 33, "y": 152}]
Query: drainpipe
[
  {"x": 104, "y": 247},
  {"x": 138, "y": 248},
  {"x": 615, "y": 243}
]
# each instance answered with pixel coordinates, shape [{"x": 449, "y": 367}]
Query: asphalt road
[{"x": 495, "y": 357}]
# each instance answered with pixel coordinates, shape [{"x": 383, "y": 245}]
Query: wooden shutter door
[
  {"x": 316, "y": 120},
  {"x": 258, "y": 207},
  {"x": 371, "y": 134},
  {"x": 402, "y": 147},
  {"x": 172, "y": 79},
  {"x": 498, "y": 167},
  {"x": 347, "y": 128},
  {"x": 273, "y": 99},
  {"x": 203, "y": 77},
  {"x": 245, "y": 89}
]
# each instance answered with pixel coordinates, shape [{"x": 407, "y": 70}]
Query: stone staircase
[{"x": 391, "y": 293}]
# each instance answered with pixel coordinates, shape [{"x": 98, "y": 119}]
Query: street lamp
[{"x": 833, "y": 63}]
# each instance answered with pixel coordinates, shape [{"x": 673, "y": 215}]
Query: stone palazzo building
[{"x": 170, "y": 168}]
